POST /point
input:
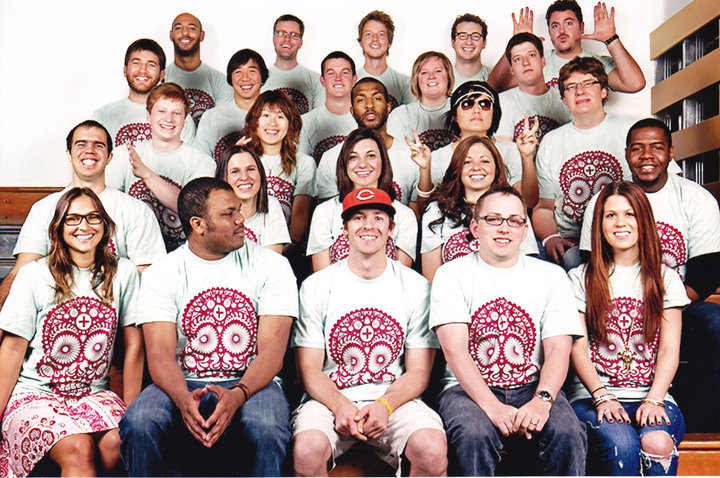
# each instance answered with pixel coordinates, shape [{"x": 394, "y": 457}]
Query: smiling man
[
  {"x": 216, "y": 317},
  {"x": 505, "y": 322},
  {"x": 298, "y": 82},
  {"x": 375, "y": 36},
  {"x": 468, "y": 37},
  {"x": 220, "y": 127},
  {"x": 155, "y": 170},
  {"x": 365, "y": 353},
  {"x": 328, "y": 124},
  {"x": 125, "y": 119},
  {"x": 204, "y": 85}
]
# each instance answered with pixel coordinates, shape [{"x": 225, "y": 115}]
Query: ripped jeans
[{"x": 614, "y": 448}]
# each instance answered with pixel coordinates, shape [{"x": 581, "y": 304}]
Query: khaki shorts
[{"x": 406, "y": 420}]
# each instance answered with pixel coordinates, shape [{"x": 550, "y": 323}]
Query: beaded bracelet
[
  {"x": 650, "y": 401},
  {"x": 599, "y": 388},
  {"x": 424, "y": 194},
  {"x": 242, "y": 388},
  {"x": 604, "y": 398}
]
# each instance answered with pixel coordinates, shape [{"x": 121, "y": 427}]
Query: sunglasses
[{"x": 468, "y": 103}]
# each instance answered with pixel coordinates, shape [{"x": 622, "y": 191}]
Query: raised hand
[
  {"x": 527, "y": 141},
  {"x": 523, "y": 23},
  {"x": 138, "y": 167},
  {"x": 604, "y": 23},
  {"x": 243, "y": 141},
  {"x": 419, "y": 152}
]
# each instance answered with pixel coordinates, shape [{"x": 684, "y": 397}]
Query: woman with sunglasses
[
  {"x": 263, "y": 214},
  {"x": 476, "y": 166},
  {"x": 631, "y": 308},
  {"x": 60, "y": 322},
  {"x": 272, "y": 126},
  {"x": 475, "y": 111},
  {"x": 363, "y": 163}
]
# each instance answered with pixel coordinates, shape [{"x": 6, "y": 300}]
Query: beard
[{"x": 185, "y": 53}]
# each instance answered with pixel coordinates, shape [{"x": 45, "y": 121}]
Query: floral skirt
[{"x": 35, "y": 421}]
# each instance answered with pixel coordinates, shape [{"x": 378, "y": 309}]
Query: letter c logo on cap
[{"x": 365, "y": 195}]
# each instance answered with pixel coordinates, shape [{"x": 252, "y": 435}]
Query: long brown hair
[
  {"x": 450, "y": 194},
  {"x": 600, "y": 266},
  {"x": 345, "y": 185},
  {"x": 288, "y": 151},
  {"x": 221, "y": 172},
  {"x": 105, "y": 263}
]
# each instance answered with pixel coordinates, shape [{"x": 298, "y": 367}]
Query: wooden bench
[{"x": 700, "y": 455}]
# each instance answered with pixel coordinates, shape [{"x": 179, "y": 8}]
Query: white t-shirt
[
  {"x": 326, "y": 231},
  {"x": 71, "y": 344},
  {"x": 137, "y": 234},
  {"x": 508, "y": 311},
  {"x": 364, "y": 325},
  {"x": 397, "y": 84},
  {"x": 127, "y": 121},
  {"x": 510, "y": 155},
  {"x": 406, "y": 172},
  {"x": 268, "y": 228},
  {"x": 626, "y": 364},
  {"x": 454, "y": 239},
  {"x": 220, "y": 129},
  {"x": 429, "y": 123},
  {"x": 205, "y": 87},
  {"x": 284, "y": 187},
  {"x": 547, "y": 108},
  {"x": 321, "y": 130},
  {"x": 687, "y": 219},
  {"x": 573, "y": 164},
  {"x": 481, "y": 75},
  {"x": 176, "y": 167},
  {"x": 300, "y": 84},
  {"x": 553, "y": 63},
  {"x": 216, "y": 305}
]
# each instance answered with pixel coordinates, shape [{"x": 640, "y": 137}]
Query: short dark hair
[
  {"x": 287, "y": 17},
  {"x": 381, "y": 17},
  {"x": 468, "y": 87},
  {"x": 370, "y": 79},
  {"x": 385, "y": 182},
  {"x": 589, "y": 65},
  {"x": 468, "y": 17},
  {"x": 221, "y": 170},
  {"x": 146, "y": 44},
  {"x": 243, "y": 56},
  {"x": 649, "y": 123},
  {"x": 192, "y": 200},
  {"x": 89, "y": 124},
  {"x": 337, "y": 55},
  {"x": 521, "y": 38},
  {"x": 506, "y": 190},
  {"x": 562, "y": 6}
]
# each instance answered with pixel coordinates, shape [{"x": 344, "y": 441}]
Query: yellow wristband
[{"x": 387, "y": 405}]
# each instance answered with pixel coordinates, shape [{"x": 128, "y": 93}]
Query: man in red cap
[{"x": 365, "y": 353}]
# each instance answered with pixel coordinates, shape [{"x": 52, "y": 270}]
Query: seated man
[
  {"x": 216, "y": 316},
  {"x": 365, "y": 353},
  {"x": 137, "y": 235},
  {"x": 155, "y": 170},
  {"x": 505, "y": 322}
]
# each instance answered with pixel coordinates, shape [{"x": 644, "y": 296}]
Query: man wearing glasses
[
  {"x": 505, "y": 322},
  {"x": 205, "y": 86},
  {"x": 467, "y": 38},
  {"x": 575, "y": 161},
  {"x": 300, "y": 84}
]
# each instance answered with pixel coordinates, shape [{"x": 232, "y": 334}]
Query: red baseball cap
[{"x": 367, "y": 198}]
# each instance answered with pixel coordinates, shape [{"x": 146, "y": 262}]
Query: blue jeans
[
  {"x": 155, "y": 441},
  {"x": 614, "y": 448},
  {"x": 477, "y": 442}
]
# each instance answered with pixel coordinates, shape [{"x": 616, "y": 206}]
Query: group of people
[{"x": 199, "y": 204}]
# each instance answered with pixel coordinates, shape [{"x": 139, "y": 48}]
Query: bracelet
[
  {"x": 611, "y": 39},
  {"x": 424, "y": 194},
  {"x": 544, "y": 241},
  {"x": 650, "y": 401},
  {"x": 387, "y": 405},
  {"x": 604, "y": 398},
  {"x": 599, "y": 388},
  {"x": 243, "y": 388}
]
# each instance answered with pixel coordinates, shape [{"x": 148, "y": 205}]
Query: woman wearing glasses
[
  {"x": 476, "y": 166},
  {"x": 60, "y": 322},
  {"x": 630, "y": 304}
]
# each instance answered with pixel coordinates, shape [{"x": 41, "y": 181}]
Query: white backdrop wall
[{"x": 60, "y": 60}]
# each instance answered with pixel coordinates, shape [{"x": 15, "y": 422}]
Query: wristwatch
[{"x": 545, "y": 396}]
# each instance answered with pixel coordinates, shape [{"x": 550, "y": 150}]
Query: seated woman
[
  {"x": 475, "y": 111},
  {"x": 264, "y": 218},
  {"x": 60, "y": 321},
  {"x": 363, "y": 163},
  {"x": 272, "y": 126},
  {"x": 476, "y": 166},
  {"x": 630, "y": 304}
]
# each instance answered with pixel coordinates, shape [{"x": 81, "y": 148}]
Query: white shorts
[{"x": 404, "y": 421}]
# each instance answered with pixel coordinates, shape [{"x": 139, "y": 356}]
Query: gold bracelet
[
  {"x": 387, "y": 405},
  {"x": 650, "y": 401}
]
